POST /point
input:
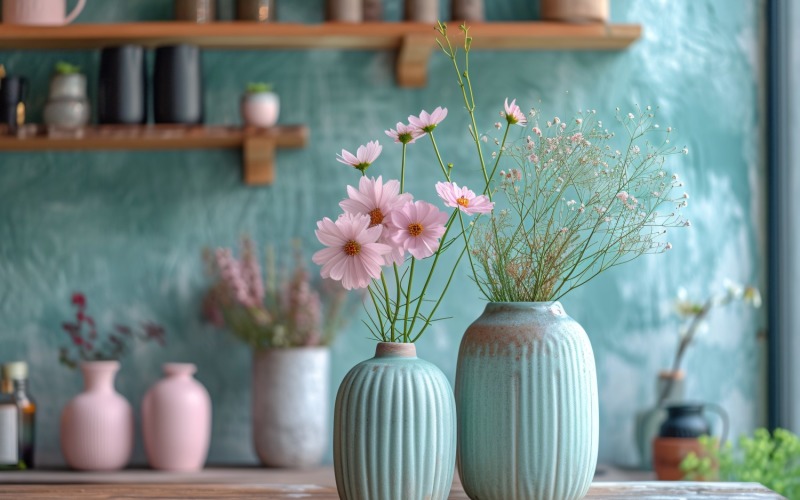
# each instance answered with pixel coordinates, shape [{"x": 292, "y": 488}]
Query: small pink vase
[
  {"x": 97, "y": 424},
  {"x": 176, "y": 420}
]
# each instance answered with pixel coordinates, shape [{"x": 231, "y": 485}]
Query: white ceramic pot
[
  {"x": 176, "y": 420},
  {"x": 260, "y": 109},
  {"x": 290, "y": 405},
  {"x": 67, "y": 106}
]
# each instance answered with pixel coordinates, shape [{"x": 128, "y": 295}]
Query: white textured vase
[
  {"x": 290, "y": 405},
  {"x": 176, "y": 420},
  {"x": 97, "y": 424}
]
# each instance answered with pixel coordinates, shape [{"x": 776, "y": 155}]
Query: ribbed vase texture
[
  {"x": 394, "y": 434},
  {"x": 526, "y": 393},
  {"x": 290, "y": 405},
  {"x": 97, "y": 424}
]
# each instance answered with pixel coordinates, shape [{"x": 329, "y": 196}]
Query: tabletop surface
[{"x": 318, "y": 483}]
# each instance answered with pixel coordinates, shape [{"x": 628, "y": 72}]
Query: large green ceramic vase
[
  {"x": 526, "y": 394},
  {"x": 394, "y": 429}
]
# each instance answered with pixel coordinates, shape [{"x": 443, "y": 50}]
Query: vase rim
[
  {"x": 396, "y": 350},
  {"x": 538, "y": 306},
  {"x": 173, "y": 368},
  {"x": 299, "y": 348},
  {"x": 674, "y": 375},
  {"x": 100, "y": 365}
]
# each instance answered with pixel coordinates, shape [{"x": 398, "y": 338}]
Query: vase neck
[
  {"x": 99, "y": 375},
  {"x": 553, "y": 307},
  {"x": 670, "y": 386},
  {"x": 395, "y": 350}
]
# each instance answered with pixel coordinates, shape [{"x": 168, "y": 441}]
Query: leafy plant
[
  {"x": 65, "y": 68},
  {"x": 258, "y": 87},
  {"x": 772, "y": 460},
  {"x": 87, "y": 345}
]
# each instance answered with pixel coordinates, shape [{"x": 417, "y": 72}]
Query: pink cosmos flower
[
  {"x": 363, "y": 158},
  {"x": 354, "y": 255},
  {"x": 514, "y": 115},
  {"x": 405, "y": 134},
  {"x": 463, "y": 199},
  {"x": 378, "y": 201},
  {"x": 425, "y": 123},
  {"x": 418, "y": 227}
]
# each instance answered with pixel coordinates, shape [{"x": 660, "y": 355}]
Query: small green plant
[
  {"x": 65, "y": 68},
  {"x": 772, "y": 460},
  {"x": 258, "y": 87}
]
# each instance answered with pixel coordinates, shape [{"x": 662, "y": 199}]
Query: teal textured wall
[{"x": 127, "y": 228}]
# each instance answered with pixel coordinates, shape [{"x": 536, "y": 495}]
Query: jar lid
[{"x": 16, "y": 370}]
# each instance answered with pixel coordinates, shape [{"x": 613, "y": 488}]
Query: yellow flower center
[
  {"x": 463, "y": 202},
  {"x": 415, "y": 229},
  {"x": 352, "y": 248},
  {"x": 375, "y": 217}
]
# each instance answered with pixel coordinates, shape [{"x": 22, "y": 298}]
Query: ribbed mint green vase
[
  {"x": 394, "y": 428},
  {"x": 526, "y": 394}
]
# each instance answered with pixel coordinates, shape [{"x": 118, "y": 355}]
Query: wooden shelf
[
  {"x": 258, "y": 145},
  {"x": 414, "y": 41}
]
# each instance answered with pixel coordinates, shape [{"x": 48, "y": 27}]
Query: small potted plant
[
  {"x": 67, "y": 106},
  {"x": 99, "y": 414},
  {"x": 260, "y": 105}
]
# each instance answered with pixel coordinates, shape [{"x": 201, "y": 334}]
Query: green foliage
[
  {"x": 65, "y": 68},
  {"x": 258, "y": 87},
  {"x": 772, "y": 460}
]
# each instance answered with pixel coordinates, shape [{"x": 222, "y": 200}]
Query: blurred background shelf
[
  {"x": 414, "y": 41},
  {"x": 258, "y": 145}
]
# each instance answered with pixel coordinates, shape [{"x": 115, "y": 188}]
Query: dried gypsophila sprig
[{"x": 575, "y": 207}]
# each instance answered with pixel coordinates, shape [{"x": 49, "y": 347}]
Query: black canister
[
  {"x": 13, "y": 90},
  {"x": 122, "y": 86},
  {"x": 178, "y": 85}
]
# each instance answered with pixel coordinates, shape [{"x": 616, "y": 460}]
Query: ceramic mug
[{"x": 40, "y": 12}]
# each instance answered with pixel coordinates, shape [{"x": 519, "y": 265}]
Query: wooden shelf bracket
[
  {"x": 412, "y": 59},
  {"x": 258, "y": 156}
]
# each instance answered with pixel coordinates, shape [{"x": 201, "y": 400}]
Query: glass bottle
[
  {"x": 9, "y": 428},
  {"x": 17, "y": 372}
]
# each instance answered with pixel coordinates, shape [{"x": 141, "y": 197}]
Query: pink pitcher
[{"x": 40, "y": 12}]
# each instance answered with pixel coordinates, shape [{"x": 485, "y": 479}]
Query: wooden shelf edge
[
  {"x": 414, "y": 41},
  {"x": 156, "y": 137},
  {"x": 258, "y": 145},
  {"x": 368, "y": 35}
]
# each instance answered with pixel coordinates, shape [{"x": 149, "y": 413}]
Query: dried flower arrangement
[
  {"x": 273, "y": 311},
  {"x": 87, "y": 345}
]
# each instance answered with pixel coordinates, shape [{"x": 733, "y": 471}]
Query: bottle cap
[{"x": 16, "y": 370}]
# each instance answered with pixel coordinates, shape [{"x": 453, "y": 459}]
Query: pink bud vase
[
  {"x": 97, "y": 424},
  {"x": 176, "y": 420}
]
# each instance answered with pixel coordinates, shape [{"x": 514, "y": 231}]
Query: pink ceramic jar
[
  {"x": 97, "y": 424},
  {"x": 176, "y": 420}
]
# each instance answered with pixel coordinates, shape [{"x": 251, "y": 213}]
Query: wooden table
[{"x": 309, "y": 484}]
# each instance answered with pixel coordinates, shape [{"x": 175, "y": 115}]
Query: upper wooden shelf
[{"x": 415, "y": 41}]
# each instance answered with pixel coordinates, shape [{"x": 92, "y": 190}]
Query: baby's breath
[{"x": 575, "y": 206}]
